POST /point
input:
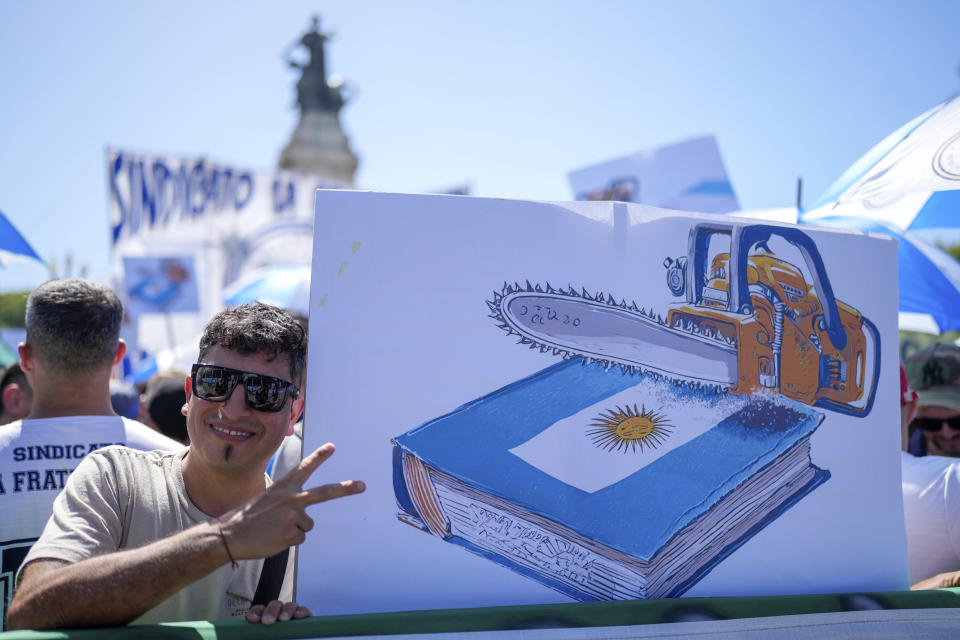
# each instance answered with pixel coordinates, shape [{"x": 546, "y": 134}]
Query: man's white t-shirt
[
  {"x": 36, "y": 457},
  {"x": 120, "y": 498},
  {"x": 931, "y": 506}
]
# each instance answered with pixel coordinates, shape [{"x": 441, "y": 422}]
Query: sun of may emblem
[{"x": 629, "y": 429}]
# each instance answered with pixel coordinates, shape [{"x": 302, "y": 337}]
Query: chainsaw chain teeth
[{"x": 608, "y": 299}]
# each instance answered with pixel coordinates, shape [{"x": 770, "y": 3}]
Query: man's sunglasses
[
  {"x": 263, "y": 393},
  {"x": 935, "y": 424}
]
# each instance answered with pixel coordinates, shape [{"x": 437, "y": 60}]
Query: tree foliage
[
  {"x": 954, "y": 251},
  {"x": 13, "y": 307}
]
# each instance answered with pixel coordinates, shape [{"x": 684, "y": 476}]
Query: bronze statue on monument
[
  {"x": 314, "y": 91},
  {"x": 318, "y": 144}
]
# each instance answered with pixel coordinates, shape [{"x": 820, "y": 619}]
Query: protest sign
[
  {"x": 687, "y": 176},
  {"x": 557, "y": 402}
]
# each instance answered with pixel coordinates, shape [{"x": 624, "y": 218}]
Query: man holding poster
[{"x": 162, "y": 537}]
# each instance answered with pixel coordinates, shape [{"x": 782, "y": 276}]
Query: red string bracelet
[{"x": 233, "y": 563}]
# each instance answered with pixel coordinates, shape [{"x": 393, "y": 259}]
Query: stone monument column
[{"x": 318, "y": 144}]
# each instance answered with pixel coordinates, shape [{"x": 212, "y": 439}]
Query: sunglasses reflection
[{"x": 261, "y": 393}]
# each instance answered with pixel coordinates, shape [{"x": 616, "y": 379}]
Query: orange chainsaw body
[{"x": 782, "y": 341}]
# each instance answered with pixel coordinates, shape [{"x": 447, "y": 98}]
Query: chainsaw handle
[{"x": 761, "y": 233}]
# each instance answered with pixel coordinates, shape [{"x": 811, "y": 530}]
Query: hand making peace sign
[{"x": 277, "y": 518}]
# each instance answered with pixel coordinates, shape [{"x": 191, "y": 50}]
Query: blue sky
[{"x": 505, "y": 96}]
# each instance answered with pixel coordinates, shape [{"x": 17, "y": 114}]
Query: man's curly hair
[{"x": 258, "y": 328}]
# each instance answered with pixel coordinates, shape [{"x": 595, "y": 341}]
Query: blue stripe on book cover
[{"x": 637, "y": 515}]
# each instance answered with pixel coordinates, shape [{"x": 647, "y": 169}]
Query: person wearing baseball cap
[
  {"x": 934, "y": 373},
  {"x": 931, "y": 506}
]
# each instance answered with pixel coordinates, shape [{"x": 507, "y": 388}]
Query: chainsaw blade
[{"x": 600, "y": 329}]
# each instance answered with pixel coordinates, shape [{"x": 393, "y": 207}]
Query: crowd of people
[{"x": 184, "y": 500}]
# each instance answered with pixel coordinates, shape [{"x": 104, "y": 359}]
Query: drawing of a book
[{"x": 638, "y": 503}]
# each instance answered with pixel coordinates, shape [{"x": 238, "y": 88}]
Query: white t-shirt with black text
[{"x": 36, "y": 457}]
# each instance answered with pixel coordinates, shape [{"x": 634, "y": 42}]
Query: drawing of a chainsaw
[{"x": 750, "y": 322}]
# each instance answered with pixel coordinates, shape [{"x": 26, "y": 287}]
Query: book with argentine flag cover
[{"x": 606, "y": 486}]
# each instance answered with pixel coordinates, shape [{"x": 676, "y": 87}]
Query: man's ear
[
  {"x": 186, "y": 390},
  {"x": 121, "y": 351},
  {"x": 26, "y": 356},
  {"x": 9, "y": 398},
  {"x": 16, "y": 401},
  {"x": 295, "y": 412}
]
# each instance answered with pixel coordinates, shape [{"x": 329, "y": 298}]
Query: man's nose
[
  {"x": 236, "y": 404},
  {"x": 947, "y": 431}
]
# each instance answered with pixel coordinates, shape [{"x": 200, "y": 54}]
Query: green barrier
[{"x": 584, "y": 614}]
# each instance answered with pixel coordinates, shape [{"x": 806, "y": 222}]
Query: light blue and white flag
[
  {"x": 606, "y": 442},
  {"x": 911, "y": 179}
]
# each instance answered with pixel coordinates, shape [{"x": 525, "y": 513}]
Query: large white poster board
[{"x": 546, "y": 409}]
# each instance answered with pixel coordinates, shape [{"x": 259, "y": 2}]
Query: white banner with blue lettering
[{"x": 231, "y": 220}]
